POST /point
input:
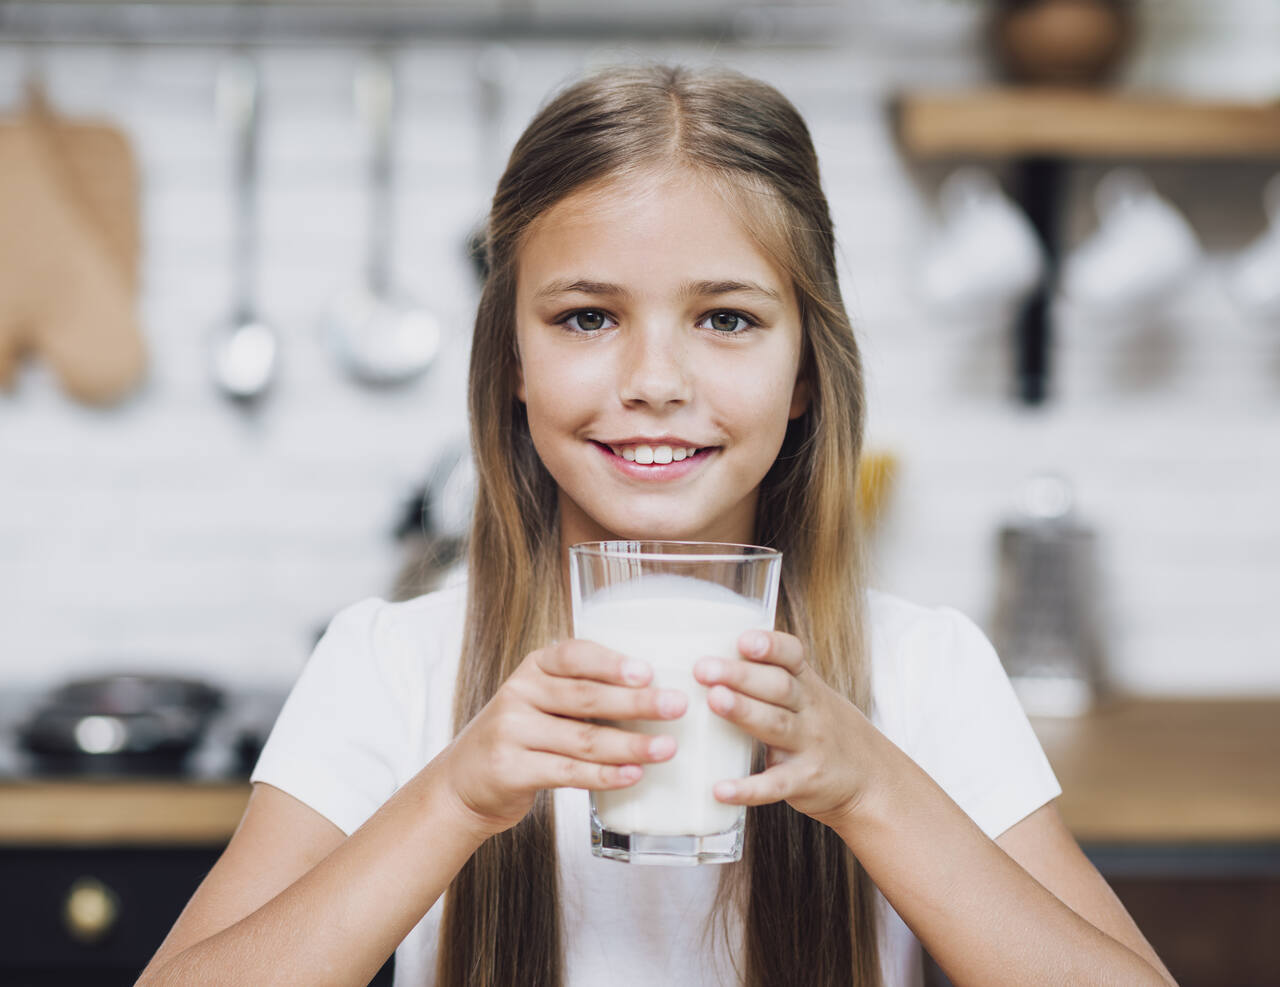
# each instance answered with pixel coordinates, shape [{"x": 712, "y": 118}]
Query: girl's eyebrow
[
  {"x": 690, "y": 289},
  {"x": 701, "y": 289},
  {"x": 565, "y": 286}
]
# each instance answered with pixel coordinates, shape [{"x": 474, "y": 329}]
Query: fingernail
[
  {"x": 635, "y": 671},
  {"x": 721, "y": 698},
  {"x": 710, "y": 668},
  {"x": 756, "y": 643},
  {"x": 725, "y": 790},
  {"x": 662, "y": 746},
  {"x": 671, "y": 703},
  {"x": 631, "y": 772}
]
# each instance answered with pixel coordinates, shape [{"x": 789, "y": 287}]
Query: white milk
[{"x": 670, "y": 622}]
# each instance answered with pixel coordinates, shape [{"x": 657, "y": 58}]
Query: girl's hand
[
  {"x": 817, "y": 755},
  {"x": 535, "y": 732}
]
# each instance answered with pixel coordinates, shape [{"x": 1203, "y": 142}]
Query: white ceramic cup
[
  {"x": 985, "y": 257},
  {"x": 1253, "y": 278},
  {"x": 1142, "y": 251}
]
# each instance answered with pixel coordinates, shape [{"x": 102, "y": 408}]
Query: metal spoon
[
  {"x": 380, "y": 336},
  {"x": 245, "y": 349}
]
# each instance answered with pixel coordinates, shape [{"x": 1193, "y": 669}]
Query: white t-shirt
[{"x": 373, "y": 705}]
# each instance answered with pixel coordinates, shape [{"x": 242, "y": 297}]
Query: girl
[{"x": 660, "y": 351}]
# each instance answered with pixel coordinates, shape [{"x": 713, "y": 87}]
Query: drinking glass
[{"x": 670, "y": 604}]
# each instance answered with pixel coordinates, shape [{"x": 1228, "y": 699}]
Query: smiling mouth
[{"x": 654, "y": 455}]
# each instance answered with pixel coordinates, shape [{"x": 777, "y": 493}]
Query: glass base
[{"x": 679, "y": 851}]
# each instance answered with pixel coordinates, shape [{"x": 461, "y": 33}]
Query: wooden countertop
[
  {"x": 1131, "y": 772},
  {"x": 1174, "y": 771},
  {"x": 82, "y": 812}
]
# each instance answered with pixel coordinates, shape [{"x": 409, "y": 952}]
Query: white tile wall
[{"x": 174, "y": 532}]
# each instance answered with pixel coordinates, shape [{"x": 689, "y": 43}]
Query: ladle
[
  {"x": 245, "y": 349},
  {"x": 381, "y": 337}
]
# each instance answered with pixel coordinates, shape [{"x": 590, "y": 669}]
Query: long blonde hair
[{"x": 799, "y": 899}]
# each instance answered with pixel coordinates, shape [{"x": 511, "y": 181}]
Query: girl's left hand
[{"x": 818, "y": 752}]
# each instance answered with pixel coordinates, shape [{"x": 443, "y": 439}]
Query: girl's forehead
[
  {"x": 661, "y": 210},
  {"x": 618, "y": 194}
]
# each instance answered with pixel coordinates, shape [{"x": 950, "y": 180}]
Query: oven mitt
[{"x": 68, "y": 254}]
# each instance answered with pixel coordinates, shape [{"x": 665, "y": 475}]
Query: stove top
[{"x": 227, "y": 751}]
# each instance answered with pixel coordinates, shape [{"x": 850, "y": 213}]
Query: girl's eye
[
  {"x": 726, "y": 322},
  {"x": 586, "y": 320}
]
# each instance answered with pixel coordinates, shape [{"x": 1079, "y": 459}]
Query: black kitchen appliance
[{"x": 120, "y": 724}]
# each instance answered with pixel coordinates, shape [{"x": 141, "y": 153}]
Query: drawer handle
[{"x": 90, "y": 910}]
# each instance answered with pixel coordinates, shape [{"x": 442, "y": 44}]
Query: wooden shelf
[{"x": 1034, "y": 121}]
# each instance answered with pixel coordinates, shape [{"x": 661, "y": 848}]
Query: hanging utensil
[
  {"x": 245, "y": 349},
  {"x": 493, "y": 66},
  {"x": 380, "y": 336}
]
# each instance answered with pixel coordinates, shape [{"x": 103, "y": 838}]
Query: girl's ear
[{"x": 799, "y": 398}]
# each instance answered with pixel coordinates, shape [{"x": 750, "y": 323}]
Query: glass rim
[{"x": 686, "y": 551}]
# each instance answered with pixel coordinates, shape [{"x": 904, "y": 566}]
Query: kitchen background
[
  {"x": 174, "y": 531},
  {"x": 166, "y": 528}
]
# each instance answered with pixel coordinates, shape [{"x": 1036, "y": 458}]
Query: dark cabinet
[{"x": 93, "y": 917}]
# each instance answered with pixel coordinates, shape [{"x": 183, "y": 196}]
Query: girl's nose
[{"x": 655, "y": 371}]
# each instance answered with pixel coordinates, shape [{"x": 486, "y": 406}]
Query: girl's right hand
[{"x": 535, "y": 732}]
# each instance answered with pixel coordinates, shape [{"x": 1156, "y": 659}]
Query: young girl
[{"x": 661, "y": 351}]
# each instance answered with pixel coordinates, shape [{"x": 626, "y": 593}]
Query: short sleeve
[
  {"x": 965, "y": 726},
  {"x": 337, "y": 742}
]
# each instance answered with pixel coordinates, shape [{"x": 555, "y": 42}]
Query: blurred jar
[
  {"x": 1045, "y": 623},
  {"x": 1061, "y": 42}
]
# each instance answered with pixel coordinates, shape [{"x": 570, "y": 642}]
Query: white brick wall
[{"x": 175, "y": 533}]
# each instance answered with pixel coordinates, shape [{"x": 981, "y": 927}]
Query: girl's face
[{"x": 659, "y": 353}]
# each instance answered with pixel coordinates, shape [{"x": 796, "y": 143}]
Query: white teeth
[{"x": 651, "y": 455}]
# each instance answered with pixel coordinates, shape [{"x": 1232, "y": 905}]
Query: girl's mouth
[
  {"x": 647, "y": 455},
  {"x": 655, "y": 461}
]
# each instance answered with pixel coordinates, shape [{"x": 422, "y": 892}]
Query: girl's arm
[
  {"x": 1036, "y": 914},
  {"x": 975, "y": 904},
  {"x": 293, "y": 900}
]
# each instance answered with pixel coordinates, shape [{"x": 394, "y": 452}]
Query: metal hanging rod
[{"x": 198, "y": 23}]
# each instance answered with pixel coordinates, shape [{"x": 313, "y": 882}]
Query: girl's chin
[
  {"x": 664, "y": 530},
  {"x": 635, "y": 520}
]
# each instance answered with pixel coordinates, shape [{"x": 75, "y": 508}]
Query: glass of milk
[{"x": 669, "y": 604}]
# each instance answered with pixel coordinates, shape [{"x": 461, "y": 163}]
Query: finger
[
  {"x": 600, "y": 743},
  {"x": 585, "y": 699},
  {"x": 582, "y": 659},
  {"x": 773, "y": 785},
  {"x": 774, "y": 725},
  {"x": 769, "y": 683},
  {"x": 547, "y": 770},
  {"x": 774, "y": 647}
]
